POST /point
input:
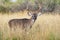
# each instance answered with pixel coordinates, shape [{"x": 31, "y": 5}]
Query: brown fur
[{"x": 22, "y": 23}]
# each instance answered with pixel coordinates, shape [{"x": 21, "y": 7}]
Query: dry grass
[{"x": 46, "y": 27}]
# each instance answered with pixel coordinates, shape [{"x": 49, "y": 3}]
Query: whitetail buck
[{"x": 24, "y": 23}]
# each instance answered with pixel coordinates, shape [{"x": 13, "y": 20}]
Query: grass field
[{"x": 46, "y": 27}]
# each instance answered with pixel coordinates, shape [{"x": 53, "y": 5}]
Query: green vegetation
[
  {"x": 9, "y": 6},
  {"x": 1, "y": 35},
  {"x": 51, "y": 36}
]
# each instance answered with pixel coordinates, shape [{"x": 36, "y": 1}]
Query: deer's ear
[
  {"x": 39, "y": 13},
  {"x": 30, "y": 14}
]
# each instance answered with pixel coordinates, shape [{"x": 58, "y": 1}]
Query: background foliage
[{"x": 20, "y": 5}]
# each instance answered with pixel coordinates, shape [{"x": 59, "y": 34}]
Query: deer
[{"x": 25, "y": 23}]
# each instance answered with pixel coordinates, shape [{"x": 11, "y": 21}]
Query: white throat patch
[{"x": 32, "y": 20}]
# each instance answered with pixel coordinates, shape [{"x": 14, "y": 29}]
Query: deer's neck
[{"x": 33, "y": 19}]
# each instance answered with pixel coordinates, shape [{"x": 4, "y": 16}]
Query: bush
[
  {"x": 33, "y": 5},
  {"x": 4, "y": 9}
]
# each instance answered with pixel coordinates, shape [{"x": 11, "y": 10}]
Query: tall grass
[{"x": 46, "y": 27}]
